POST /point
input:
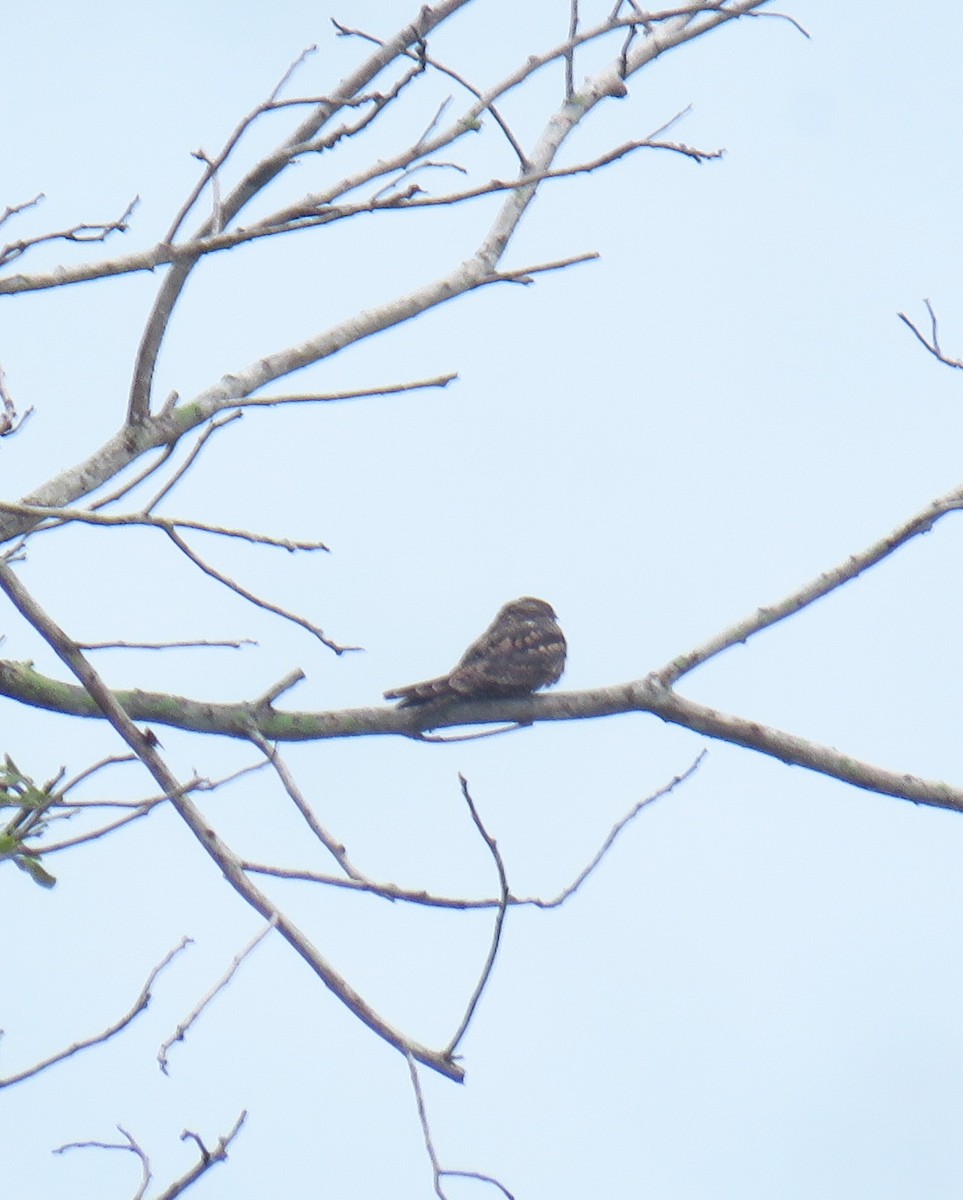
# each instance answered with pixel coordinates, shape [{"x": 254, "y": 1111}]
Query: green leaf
[{"x": 31, "y": 865}]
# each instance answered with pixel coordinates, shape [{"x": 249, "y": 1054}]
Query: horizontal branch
[
  {"x": 66, "y": 516},
  {"x": 19, "y": 681}
]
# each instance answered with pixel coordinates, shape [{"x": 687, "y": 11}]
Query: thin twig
[
  {"x": 112, "y": 760},
  {"x": 221, "y": 158},
  {"x": 425, "y": 1128},
  {"x": 335, "y": 848},
  {"x": 613, "y": 833},
  {"x": 284, "y": 684},
  {"x": 129, "y": 486},
  {"x": 13, "y": 209},
  {"x": 934, "y": 344},
  {"x": 447, "y": 739},
  {"x": 320, "y": 210},
  {"x": 131, "y": 1145},
  {"x": 460, "y": 79},
  {"x": 784, "y": 17},
  {"x": 256, "y": 600},
  {"x": 437, "y": 1170},
  {"x": 194, "y": 1014},
  {"x": 93, "y": 835},
  {"x": 198, "y": 644},
  {"x": 440, "y": 381},
  {"x": 213, "y": 427},
  {"x": 141, "y": 1003},
  {"x": 52, "y": 517},
  {"x": 503, "y": 892},
  {"x": 76, "y": 233}
]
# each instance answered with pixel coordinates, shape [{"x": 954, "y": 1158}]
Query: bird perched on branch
[{"x": 521, "y": 651}]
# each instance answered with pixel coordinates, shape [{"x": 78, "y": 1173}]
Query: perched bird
[{"x": 521, "y": 651}]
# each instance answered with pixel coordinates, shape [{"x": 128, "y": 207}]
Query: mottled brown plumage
[{"x": 521, "y": 651}]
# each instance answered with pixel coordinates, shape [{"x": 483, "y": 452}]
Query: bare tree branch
[
  {"x": 933, "y": 345},
  {"x": 207, "y": 1159},
  {"x": 233, "y": 586},
  {"x": 438, "y": 1172},
  {"x": 183, "y": 1026},
  {"x": 12, "y": 210},
  {"x": 335, "y": 848},
  {"x": 52, "y": 517},
  {"x": 197, "y": 644},
  {"x": 255, "y": 182},
  {"x": 139, "y": 1005},
  {"x": 503, "y": 895},
  {"x": 131, "y": 1145},
  {"x": 825, "y": 583},
  {"x": 77, "y": 233}
]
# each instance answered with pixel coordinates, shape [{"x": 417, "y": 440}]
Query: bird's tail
[{"x": 422, "y": 693}]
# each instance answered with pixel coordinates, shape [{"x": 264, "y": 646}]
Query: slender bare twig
[
  {"x": 138, "y": 809},
  {"x": 12, "y": 210},
  {"x": 378, "y": 102},
  {"x": 438, "y": 1172},
  {"x": 253, "y": 183},
  {"x": 52, "y": 517},
  {"x": 335, "y": 848},
  {"x": 131, "y": 1145},
  {"x": 392, "y": 892},
  {"x": 221, "y": 158},
  {"x": 284, "y": 684},
  {"x": 933, "y": 345},
  {"x": 197, "y": 644},
  {"x": 419, "y": 735},
  {"x": 112, "y": 760},
  {"x": 321, "y": 210},
  {"x": 391, "y": 187},
  {"x": 460, "y": 79},
  {"x": 425, "y": 1128},
  {"x": 440, "y": 381},
  {"x": 77, "y": 233},
  {"x": 93, "y": 835},
  {"x": 127, "y": 487},
  {"x": 233, "y": 586},
  {"x": 139, "y": 1005},
  {"x": 785, "y": 17},
  {"x": 482, "y": 1178},
  {"x": 503, "y": 895},
  {"x": 215, "y": 426},
  {"x": 620, "y": 824},
  {"x": 183, "y": 1026}
]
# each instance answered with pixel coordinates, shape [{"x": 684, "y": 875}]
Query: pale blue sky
[{"x": 758, "y": 995}]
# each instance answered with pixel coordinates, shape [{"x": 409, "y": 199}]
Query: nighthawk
[{"x": 521, "y": 651}]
